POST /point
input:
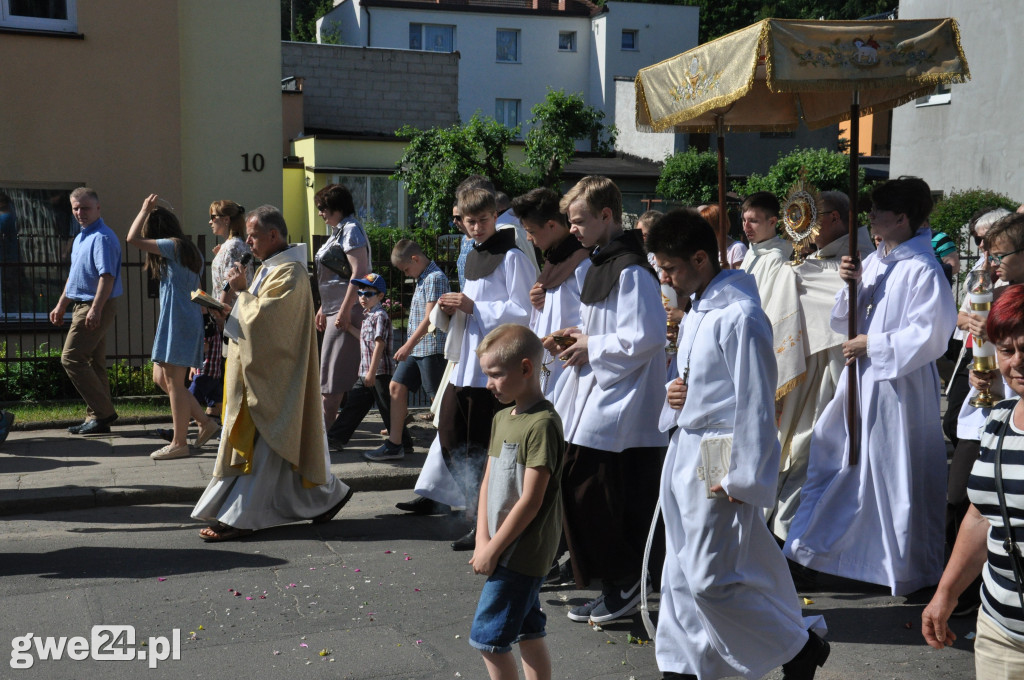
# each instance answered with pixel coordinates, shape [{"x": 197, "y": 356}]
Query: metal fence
[{"x": 30, "y": 366}]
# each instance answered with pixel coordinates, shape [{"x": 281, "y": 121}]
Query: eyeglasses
[
  {"x": 367, "y": 293},
  {"x": 998, "y": 257},
  {"x": 214, "y": 217},
  {"x": 977, "y": 239}
]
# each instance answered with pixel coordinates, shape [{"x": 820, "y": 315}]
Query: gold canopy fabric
[{"x": 771, "y": 75}]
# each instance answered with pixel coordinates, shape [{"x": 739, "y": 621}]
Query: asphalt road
[{"x": 374, "y": 594}]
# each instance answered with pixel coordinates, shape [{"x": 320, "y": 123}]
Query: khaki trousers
[
  {"x": 85, "y": 358},
  {"x": 997, "y": 656}
]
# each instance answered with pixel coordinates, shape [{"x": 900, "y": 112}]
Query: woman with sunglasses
[
  {"x": 227, "y": 220},
  {"x": 987, "y": 542},
  {"x": 344, "y": 256}
]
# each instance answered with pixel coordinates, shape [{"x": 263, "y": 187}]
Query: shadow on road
[{"x": 115, "y": 562}]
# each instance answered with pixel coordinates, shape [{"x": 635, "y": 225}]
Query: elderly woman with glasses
[
  {"x": 880, "y": 520},
  {"x": 344, "y": 256}
]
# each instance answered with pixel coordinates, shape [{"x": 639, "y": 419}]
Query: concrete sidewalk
[{"x": 50, "y": 469}]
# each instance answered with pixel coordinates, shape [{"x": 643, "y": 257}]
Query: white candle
[
  {"x": 669, "y": 297},
  {"x": 980, "y": 305}
]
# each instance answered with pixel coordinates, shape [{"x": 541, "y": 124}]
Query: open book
[{"x": 200, "y": 297}]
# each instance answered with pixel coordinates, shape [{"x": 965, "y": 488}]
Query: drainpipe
[{"x": 369, "y": 25}]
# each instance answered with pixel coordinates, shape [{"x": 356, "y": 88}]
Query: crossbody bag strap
[{"x": 1009, "y": 544}]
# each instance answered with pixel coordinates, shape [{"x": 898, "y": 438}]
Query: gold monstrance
[{"x": 800, "y": 216}]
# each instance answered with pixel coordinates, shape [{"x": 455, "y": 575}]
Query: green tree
[
  {"x": 305, "y": 13},
  {"x": 956, "y": 210},
  {"x": 437, "y": 159},
  {"x": 557, "y": 124},
  {"x": 825, "y": 170},
  {"x": 690, "y": 177}
]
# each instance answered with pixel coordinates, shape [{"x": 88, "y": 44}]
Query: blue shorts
[
  {"x": 416, "y": 371},
  {"x": 509, "y": 611}
]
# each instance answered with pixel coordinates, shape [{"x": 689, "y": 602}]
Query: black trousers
[
  {"x": 465, "y": 433},
  {"x": 609, "y": 499},
  {"x": 358, "y": 402},
  {"x": 958, "y": 389}
]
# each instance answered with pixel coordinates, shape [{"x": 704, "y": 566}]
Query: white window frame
[
  {"x": 636, "y": 39},
  {"x": 942, "y": 94},
  {"x": 423, "y": 35},
  {"x": 69, "y": 25},
  {"x": 366, "y": 201},
  {"x": 497, "y": 46},
  {"x": 503, "y": 119},
  {"x": 572, "y": 41}
]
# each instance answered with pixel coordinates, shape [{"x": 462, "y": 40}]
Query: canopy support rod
[
  {"x": 852, "y": 416},
  {"x": 722, "y": 228}
]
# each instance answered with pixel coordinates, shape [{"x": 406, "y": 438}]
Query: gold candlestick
[{"x": 979, "y": 287}]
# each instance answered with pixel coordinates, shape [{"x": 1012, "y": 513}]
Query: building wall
[
  {"x": 654, "y": 146},
  {"x": 971, "y": 142},
  {"x": 360, "y": 89},
  {"x": 482, "y": 79},
  {"x": 663, "y": 31},
  {"x": 230, "y": 105},
  {"x": 89, "y": 111}
]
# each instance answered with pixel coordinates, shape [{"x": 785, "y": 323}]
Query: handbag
[
  {"x": 335, "y": 259},
  {"x": 1010, "y": 545}
]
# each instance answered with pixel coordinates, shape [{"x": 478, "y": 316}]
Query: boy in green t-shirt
[{"x": 519, "y": 517}]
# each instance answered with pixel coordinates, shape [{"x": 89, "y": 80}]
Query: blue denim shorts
[
  {"x": 509, "y": 611},
  {"x": 427, "y": 371}
]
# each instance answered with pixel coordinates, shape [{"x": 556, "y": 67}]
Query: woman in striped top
[{"x": 979, "y": 549}]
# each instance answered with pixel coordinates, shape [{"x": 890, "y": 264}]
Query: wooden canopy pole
[
  {"x": 723, "y": 218},
  {"x": 852, "y": 415}
]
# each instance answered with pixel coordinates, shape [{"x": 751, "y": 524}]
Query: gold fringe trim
[
  {"x": 719, "y": 102},
  {"x": 790, "y": 386}
]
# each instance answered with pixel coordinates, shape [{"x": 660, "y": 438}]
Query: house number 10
[{"x": 257, "y": 162}]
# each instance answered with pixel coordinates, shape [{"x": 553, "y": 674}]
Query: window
[
  {"x": 36, "y": 230},
  {"x": 508, "y": 46},
  {"x": 39, "y": 15},
  {"x": 567, "y": 41},
  {"x": 629, "y": 39},
  {"x": 376, "y": 198},
  {"x": 506, "y": 112},
  {"x": 940, "y": 95},
  {"x": 432, "y": 37}
]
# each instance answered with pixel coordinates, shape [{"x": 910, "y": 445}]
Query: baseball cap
[{"x": 373, "y": 281}]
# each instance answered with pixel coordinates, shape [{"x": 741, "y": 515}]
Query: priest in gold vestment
[{"x": 273, "y": 466}]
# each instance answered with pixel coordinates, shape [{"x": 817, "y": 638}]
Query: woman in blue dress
[{"x": 176, "y": 263}]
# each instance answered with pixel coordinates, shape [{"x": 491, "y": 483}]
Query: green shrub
[
  {"x": 825, "y": 170},
  {"x": 128, "y": 380},
  {"x": 952, "y": 212},
  {"x": 39, "y": 376},
  {"x": 34, "y": 376},
  {"x": 690, "y": 177}
]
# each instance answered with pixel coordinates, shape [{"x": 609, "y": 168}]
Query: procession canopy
[{"x": 772, "y": 74}]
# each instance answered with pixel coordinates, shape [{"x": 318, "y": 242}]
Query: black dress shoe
[
  {"x": 806, "y": 663},
  {"x": 94, "y": 427},
  {"x": 77, "y": 429},
  {"x": 669, "y": 675},
  {"x": 423, "y": 506},
  {"x": 467, "y": 542}
]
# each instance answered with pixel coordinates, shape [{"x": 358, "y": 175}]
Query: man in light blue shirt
[{"x": 93, "y": 285}]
